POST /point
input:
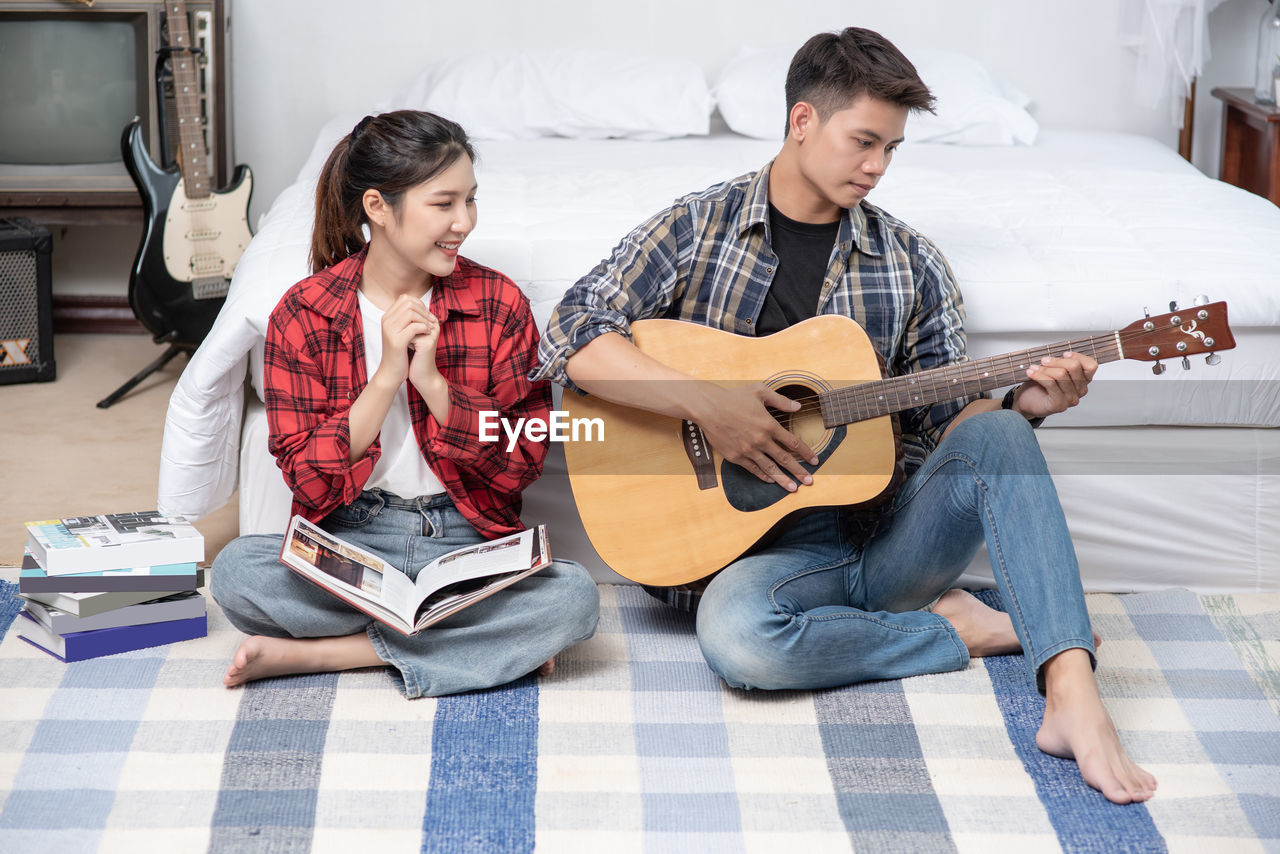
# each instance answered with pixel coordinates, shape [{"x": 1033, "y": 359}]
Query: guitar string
[
  {"x": 186, "y": 99},
  {"x": 843, "y": 410},
  {"x": 192, "y": 153},
  {"x": 1125, "y": 337},
  {"x": 909, "y": 385},
  {"x": 811, "y": 404},
  {"x": 187, "y": 96}
]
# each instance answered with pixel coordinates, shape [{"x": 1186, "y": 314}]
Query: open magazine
[{"x": 445, "y": 586}]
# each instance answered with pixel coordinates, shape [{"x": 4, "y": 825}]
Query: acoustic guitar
[
  {"x": 194, "y": 235},
  {"x": 662, "y": 507}
]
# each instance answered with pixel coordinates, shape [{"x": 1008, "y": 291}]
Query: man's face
[{"x": 844, "y": 156}]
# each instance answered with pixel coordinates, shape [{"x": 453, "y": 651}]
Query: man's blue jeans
[
  {"x": 813, "y": 610},
  {"x": 492, "y": 642}
]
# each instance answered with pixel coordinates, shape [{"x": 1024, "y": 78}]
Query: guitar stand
[{"x": 164, "y": 359}]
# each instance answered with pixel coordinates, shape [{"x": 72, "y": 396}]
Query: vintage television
[{"x": 73, "y": 74}]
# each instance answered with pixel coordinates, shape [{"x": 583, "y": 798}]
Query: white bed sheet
[
  {"x": 1011, "y": 220},
  {"x": 1078, "y": 231}
]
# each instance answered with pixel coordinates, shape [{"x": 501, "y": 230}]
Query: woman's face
[{"x": 433, "y": 219}]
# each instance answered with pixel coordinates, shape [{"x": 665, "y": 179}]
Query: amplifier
[{"x": 26, "y": 302}]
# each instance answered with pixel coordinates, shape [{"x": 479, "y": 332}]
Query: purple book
[{"x": 77, "y": 646}]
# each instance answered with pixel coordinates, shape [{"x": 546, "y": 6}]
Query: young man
[{"x": 838, "y": 597}]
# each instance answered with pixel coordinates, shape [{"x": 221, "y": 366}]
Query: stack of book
[{"x": 98, "y": 585}]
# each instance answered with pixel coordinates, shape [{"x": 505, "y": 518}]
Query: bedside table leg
[
  {"x": 1273, "y": 163},
  {"x": 1232, "y": 127}
]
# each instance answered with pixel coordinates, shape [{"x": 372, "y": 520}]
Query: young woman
[{"x": 377, "y": 369}]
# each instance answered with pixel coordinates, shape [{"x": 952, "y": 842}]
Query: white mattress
[
  {"x": 1159, "y": 507},
  {"x": 1075, "y": 234},
  {"x": 1079, "y": 232},
  {"x": 1243, "y": 390},
  {"x": 1148, "y": 508}
]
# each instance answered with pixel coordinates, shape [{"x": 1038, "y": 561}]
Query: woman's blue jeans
[
  {"x": 492, "y": 642},
  {"x": 813, "y": 610}
]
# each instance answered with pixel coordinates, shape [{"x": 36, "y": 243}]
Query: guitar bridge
[
  {"x": 699, "y": 453},
  {"x": 212, "y": 287}
]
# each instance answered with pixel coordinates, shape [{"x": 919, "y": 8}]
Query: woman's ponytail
[{"x": 337, "y": 231}]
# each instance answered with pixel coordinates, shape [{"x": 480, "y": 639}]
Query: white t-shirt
[{"x": 401, "y": 470}]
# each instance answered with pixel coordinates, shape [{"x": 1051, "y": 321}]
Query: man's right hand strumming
[
  {"x": 736, "y": 421},
  {"x": 738, "y": 424}
]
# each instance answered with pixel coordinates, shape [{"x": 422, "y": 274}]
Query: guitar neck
[
  {"x": 963, "y": 379},
  {"x": 193, "y": 156}
]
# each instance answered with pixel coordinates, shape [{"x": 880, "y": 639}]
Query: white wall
[
  {"x": 1233, "y": 35},
  {"x": 298, "y": 62}
]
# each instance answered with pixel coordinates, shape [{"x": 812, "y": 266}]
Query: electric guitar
[
  {"x": 194, "y": 236},
  {"x": 662, "y": 507}
]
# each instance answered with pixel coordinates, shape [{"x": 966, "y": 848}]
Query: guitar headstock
[{"x": 1180, "y": 333}]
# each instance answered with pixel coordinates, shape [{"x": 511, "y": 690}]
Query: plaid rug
[{"x": 633, "y": 745}]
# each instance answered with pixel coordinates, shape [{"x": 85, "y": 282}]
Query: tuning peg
[
  {"x": 1212, "y": 359},
  {"x": 1202, "y": 299},
  {"x": 1158, "y": 368},
  {"x": 1173, "y": 305},
  {"x": 1186, "y": 363}
]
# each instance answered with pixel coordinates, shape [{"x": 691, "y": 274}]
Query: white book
[
  {"x": 88, "y": 604},
  {"x": 443, "y": 587},
  {"x": 114, "y": 541},
  {"x": 178, "y": 606}
]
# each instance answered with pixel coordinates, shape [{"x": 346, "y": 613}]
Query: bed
[{"x": 1170, "y": 481}]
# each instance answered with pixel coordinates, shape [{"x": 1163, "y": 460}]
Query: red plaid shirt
[{"x": 315, "y": 368}]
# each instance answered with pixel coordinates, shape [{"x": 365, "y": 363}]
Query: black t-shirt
[{"x": 803, "y": 250}]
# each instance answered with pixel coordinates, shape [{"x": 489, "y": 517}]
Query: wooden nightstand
[{"x": 1250, "y": 143}]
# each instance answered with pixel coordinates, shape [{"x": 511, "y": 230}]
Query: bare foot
[
  {"x": 547, "y": 667},
  {"x": 261, "y": 657},
  {"x": 984, "y": 630},
  {"x": 1077, "y": 726}
]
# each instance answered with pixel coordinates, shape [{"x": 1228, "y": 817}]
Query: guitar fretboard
[
  {"x": 192, "y": 154},
  {"x": 882, "y": 397}
]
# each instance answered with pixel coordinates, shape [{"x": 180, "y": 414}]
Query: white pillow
[
  {"x": 750, "y": 92},
  {"x": 583, "y": 93},
  {"x": 974, "y": 107}
]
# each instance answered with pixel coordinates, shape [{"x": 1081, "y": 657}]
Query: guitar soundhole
[{"x": 805, "y": 422}]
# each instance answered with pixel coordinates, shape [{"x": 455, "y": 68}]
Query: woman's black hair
[{"x": 390, "y": 153}]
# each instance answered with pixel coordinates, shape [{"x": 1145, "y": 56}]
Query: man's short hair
[{"x": 831, "y": 70}]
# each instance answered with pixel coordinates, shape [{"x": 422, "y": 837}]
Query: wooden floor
[{"x": 62, "y": 456}]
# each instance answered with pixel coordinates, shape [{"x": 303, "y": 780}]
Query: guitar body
[
  {"x": 650, "y": 514},
  {"x": 189, "y": 247}
]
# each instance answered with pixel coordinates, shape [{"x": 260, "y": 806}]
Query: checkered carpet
[{"x": 633, "y": 745}]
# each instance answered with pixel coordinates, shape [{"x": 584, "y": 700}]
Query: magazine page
[
  {"x": 504, "y": 563},
  {"x": 511, "y": 553},
  {"x": 362, "y": 579}
]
